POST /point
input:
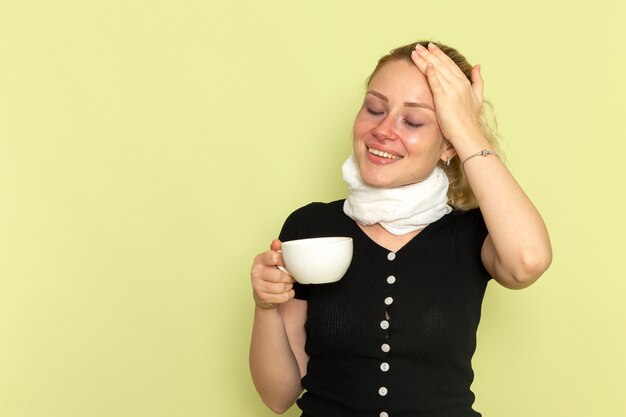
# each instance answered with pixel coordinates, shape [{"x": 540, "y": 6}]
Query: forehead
[{"x": 401, "y": 80}]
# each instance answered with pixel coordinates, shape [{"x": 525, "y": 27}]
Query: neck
[{"x": 400, "y": 210}]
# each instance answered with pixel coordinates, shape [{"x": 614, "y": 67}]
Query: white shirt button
[
  {"x": 384, "y": 324},
  {"x": 391, "y": 279},
  {"x": 391, "y": 256},
  {"x": 384, "y": 366},
  {"x": 383, "y": 414},
  {"x": 382, "y": 391},
  {"x": 385, "y": 347},
  {"x": 388, "y": 301}
]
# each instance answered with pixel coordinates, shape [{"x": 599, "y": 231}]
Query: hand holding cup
[{"x": 270, "y": 285}]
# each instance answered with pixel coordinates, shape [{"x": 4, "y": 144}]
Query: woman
[{"x": 434, "y": 214}]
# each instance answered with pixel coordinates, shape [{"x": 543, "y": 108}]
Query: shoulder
[
  {"x": 314, "y": 220},
  {"x": 467, "y": 227},
  {"x": 460, "y": 219},
  {"x": 317, "y": 210},
  {"x": 460, "y": 227},
  {"x": 467, "y": 217}
]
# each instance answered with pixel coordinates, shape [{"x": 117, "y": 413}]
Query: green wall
[{"x": 149, "y": 149}]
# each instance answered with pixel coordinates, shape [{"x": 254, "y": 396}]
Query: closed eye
[
  {"x": 411, "y": 124},
  {"x": 374, "y": 113}
]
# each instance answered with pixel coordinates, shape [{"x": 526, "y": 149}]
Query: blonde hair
[{"x": 460, "y": 194}]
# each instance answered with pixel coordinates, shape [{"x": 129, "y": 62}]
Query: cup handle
[{"x": 282, "y": 268}]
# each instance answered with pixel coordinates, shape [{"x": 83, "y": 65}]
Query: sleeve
[
  {"x": 480, "y": 232},
  {"x": 470, "y": 234}
]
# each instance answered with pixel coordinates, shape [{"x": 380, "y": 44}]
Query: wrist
[
  {"x": 481, "y": 153},
  {"x": 469, "y": 143},
  {"x": 463, "y": 133},
  {"x": 265, "y": 308}
]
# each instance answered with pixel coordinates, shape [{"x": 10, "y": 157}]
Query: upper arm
[
  {"x": 294, "y": 313},
  {"x": 488, "y": 256},
  {"x": 497, "y": 271}
]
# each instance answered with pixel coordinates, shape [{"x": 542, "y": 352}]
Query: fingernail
[
  {"x": 432, "y": 45},
  {"x": 419, "y": 47}
]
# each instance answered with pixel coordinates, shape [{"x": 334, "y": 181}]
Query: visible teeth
[{"x": 382, "y": 154}]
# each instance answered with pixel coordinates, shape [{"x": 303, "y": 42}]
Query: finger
[
  {"x": 268, "y": 284},
  {"x": 282, "y": 276},
  {"x": 264, "y": 268},
  {"x": 275, "y": 245},
  {"x": 478, "y": 84},
  {"x": 274, "y": 287},
  {"x": 270, "y": 274},
  {"x": 268, "y": 258},
  {"x": 434, "y": 81},
  {"x": 431, "y": 58},
  {"x": 446, "y": 60},
  {"x": 419, "y": 62},
  {"x": 424, "y": 66}
]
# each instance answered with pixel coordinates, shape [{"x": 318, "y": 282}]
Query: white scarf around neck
[{"x": 399, "y": 210}]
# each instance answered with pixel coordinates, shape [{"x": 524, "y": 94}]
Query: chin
[
  {"x": 378, "y": 182},
  {"x": 376, "y": 178}
]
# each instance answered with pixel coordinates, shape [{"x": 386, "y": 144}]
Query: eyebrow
[{"x": 406, "y": 104}]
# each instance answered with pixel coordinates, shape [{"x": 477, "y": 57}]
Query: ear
[{"x": 447, "y": 151}]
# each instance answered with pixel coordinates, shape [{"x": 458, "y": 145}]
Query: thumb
[
  {"x": 275, "y": 245},
  {"x": 477, "y": 83}
]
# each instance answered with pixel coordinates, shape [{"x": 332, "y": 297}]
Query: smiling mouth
[{"x": 383, "y": 154}]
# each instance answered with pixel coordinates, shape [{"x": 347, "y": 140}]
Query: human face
[{"x": 396, "y": 137}]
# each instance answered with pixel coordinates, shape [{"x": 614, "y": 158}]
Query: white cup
[{"x": 317, "y": 260}]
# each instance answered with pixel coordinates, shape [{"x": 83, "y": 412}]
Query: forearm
[
  {"x": 517, "y": 250},
  {"x": 273, "y": 365},
  {"x": 516, "y": 229}
]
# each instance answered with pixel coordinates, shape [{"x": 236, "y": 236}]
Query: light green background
[{"x": 149, "y": 149}]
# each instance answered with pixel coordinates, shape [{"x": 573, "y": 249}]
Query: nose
[{"x": 385, "y": 130}]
